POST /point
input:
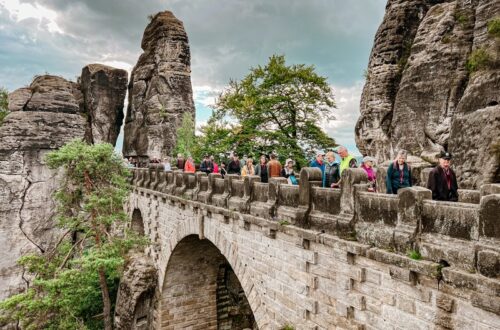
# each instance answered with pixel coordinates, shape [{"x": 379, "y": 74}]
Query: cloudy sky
[{"x": 227, "y": 37}]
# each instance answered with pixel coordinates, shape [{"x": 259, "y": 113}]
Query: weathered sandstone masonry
[{"x": 320, "y": 258}]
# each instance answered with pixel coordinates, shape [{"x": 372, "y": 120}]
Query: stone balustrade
[{"x": 463, "y": 234}]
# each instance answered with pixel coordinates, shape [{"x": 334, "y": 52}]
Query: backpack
[{"x": 293, "y": 180}]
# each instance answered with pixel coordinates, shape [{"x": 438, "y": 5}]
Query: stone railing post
[
  {"x": 489, "y": 216},
  {"x": 381, "y": 177},
  {"x": 272, "y": 200},
  {"x": 228, "y": 187},
  {"x": 350, "y": 177},
  {"x": 409, "y": 223},
  {"x": 211, "y": 187},
  {"x": 164, "y": 181},
  {"x": 198, "y": 176},
  {"x": 154, "y": 177},
  {"x": 309, "y": 177},
  {"x": 248, "y": 184}
]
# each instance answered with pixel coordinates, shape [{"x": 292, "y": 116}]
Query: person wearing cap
[
  {"x": 443, "y": 181},
  {"x": 318, "y": 162},
  {"x": 261, "y": 169},
  {"x": 206, "y": 165},
  {"x": 234, "y": 165},
  {"x": 332, "y": 171},
  {"x": 367, "y": 166},
  {"x": 347, "y": 161},
  {"x": 274, "y": 167},
  {"x": 398, "y": 174}
]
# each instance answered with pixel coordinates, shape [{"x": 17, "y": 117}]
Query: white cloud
[
  {"x": 20, "y": 11},
  {"x": 347, "y": 113}
]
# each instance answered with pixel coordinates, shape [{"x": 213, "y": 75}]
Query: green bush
[
  {"x": 413, "y": 254},
  {"x": 494, "y": 27},
  {"x": 479, "y": 59},
  {"x": 3, "y": 104}
]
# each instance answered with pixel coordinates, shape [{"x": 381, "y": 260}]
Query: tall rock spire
[{"x": 160, "y": 89}]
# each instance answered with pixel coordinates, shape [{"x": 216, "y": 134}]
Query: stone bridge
[{"x": 235, "y": 253}]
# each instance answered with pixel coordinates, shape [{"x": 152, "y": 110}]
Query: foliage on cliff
[
  {"x": 3, "y": 104},
  {"x": 276, "y": 107},
  {"x": 74, "y": 285}
]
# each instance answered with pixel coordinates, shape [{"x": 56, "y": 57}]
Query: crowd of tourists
[{"x": 442, "y": 180}]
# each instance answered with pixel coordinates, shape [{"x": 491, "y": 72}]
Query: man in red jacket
[{"x": 443, "y": 181}]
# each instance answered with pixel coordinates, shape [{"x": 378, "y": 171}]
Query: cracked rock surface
[
  {"x": 419, "y": 95},
  {"x": 160, "y": 89},
  {"x": 44, "y": 116}
]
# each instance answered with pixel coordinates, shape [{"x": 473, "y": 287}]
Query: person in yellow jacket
[
  {"x": 248, "y": 169},
  {"x": 347, "y": 161}
]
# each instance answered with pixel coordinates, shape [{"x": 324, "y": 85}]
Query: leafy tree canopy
[{"x": 276, "y": 107}]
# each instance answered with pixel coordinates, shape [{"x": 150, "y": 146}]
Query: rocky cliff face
[
  {"x": 44, "y": 116},
  {"x": 104, "y": 90},
  {"x": 419, "y": 94},
  {"x": 160, "y": 89}
]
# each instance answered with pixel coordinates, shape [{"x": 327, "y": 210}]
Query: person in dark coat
[
  {"x": 261, "y": 169},
  {"x": 234, "y": 166},
  {"x": 443, "y": 181},
  {"x": 398, "y": 174},
  {"x": 206, "y": 165}
]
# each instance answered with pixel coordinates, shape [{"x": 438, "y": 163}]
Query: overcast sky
[{"x": 227, "y": 37}]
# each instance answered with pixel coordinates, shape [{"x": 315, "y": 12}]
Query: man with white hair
[{"x": 347, "y": 161}]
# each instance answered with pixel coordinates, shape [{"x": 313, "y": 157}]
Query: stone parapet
[{"x": 462, "y": 235}]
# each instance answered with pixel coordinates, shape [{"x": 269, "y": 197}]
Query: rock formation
[
  {"x": 104, "y": 90},
  {"x": 135, "y": 293},
  {"x": 44, "y": 116},
  {"x": 419, "y": 94},
  {"x": 160, "y": 89}
]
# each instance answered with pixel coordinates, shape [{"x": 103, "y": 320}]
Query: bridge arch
[
  {"x": 201, "y": 289},
  {"x": 137, "y": 223}
]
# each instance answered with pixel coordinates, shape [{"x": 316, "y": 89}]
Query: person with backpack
[
  {"x": 443, "y": 180},
  {"x": 398, "y": 174}
]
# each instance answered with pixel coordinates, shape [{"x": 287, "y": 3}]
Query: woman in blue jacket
[{"x": 398, "y": 174}]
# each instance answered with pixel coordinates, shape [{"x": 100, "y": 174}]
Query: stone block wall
[{"x": 350, "y": 260}]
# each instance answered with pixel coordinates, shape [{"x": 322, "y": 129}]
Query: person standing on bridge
[
  {"x": 248, "y": 169},
  {"x": 347, "y": 161},
  {"x": 189, "y": 165},
  {"x": 443, "y": 180},
  {"x": 274, "y": 167},
  {"x": 234, "y": 165},
  {"x": 180, "y": 162},
  {"x": 319, "y": 162},
  {"x": 367, "y": 166},
  {"x": 261, "y": 169},
  {"x": 398, "y": 174},
  {"x": 206, "y": 165},
  {"x": 332, "y": 171},
  {"x": 216, "y": 167}
]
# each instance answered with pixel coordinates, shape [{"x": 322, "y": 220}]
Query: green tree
[
  {"x": 279, "y": 107},
  {"x": 186, "y": 140},
  {"x": 4, "y": 104},
  {"x": 75, "y": 283}
]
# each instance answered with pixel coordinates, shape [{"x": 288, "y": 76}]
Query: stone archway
[
  {"x": 137, "y": 223},
  {"x": 200, "y": 290}
]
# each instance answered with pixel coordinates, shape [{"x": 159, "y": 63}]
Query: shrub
[
  {"x": 413, "y": 254},
  {"x": 494, "y": 27},
  {"x": 479, "y": 59}
]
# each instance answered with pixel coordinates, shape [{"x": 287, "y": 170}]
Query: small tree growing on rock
[
  {"x": 4, "y": 94},
  {"x": 74, "y": 285}
]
